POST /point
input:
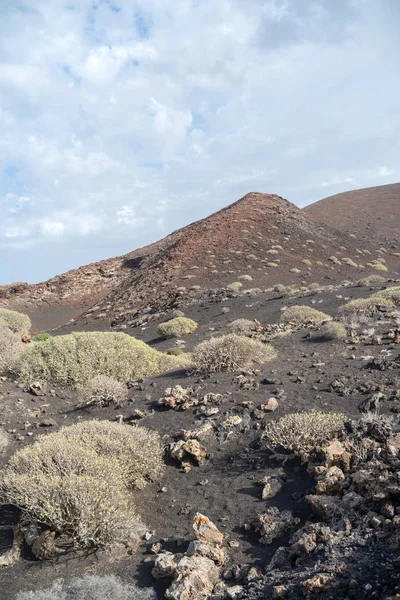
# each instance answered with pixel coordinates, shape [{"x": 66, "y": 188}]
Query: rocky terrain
[
  {"x": 253, "y": 503},
  {"x": 262, "y": 237}
]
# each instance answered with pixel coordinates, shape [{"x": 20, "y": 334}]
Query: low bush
[
  {"x": 234, "y": 286},
  {"x": 242, "y": 327},
  {"x": 17, "y": 322},
  {"x": 41, "y": 337},
  {"x": 74, "y": 359},
  {"x": 230, "y": 353},
  {"x": 367, "y": 306},
  {"x": 76, "y": 481},
  {"x": 284, "y": 290},
  {"x": 11, "y": 348},
  {"x": 174, "y": 351},
  {"x": 379, "y": 267},
  {"x": 391, "y": 293},
  {"x": 299, "y": 433},
  {"x": 90, "y": 587},
  {"x": 176, "y": 327},
  {"x": 4, "y": 440},
  {"x": 245, "y": 278},
  {"x": 366, "y": 281},
  {"x": 333, "y": 331},
  {"x": 300, "y": 316},
  {"x": 225, "y": 309},
  {"x": 102, "y": 390},
  {"x": 294, "y": 270},
  {"x": 178, "y": 313}
]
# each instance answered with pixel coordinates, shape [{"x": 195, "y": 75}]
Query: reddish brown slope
[{"x": 371, "y": 214}]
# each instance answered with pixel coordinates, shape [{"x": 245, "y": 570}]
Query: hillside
[
  {"x": 371, "y": 214},
  {"x": 260, "y": 240}
]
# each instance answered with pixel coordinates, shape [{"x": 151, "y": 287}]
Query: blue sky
[{"x": 122, "y": 120}]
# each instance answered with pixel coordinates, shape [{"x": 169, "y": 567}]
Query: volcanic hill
[
  {"x": 260, "y": 240},
  {"x": 371, "y": 214}
]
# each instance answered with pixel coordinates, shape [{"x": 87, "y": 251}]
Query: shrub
[
  {"x": 74, "y": 359},
  {"x": 371, "y": 279},
  {"x": 178, "y": 313},
  {"x": 11, "y": 348},
  {"x": 245, "y": 278},
  {"x": 225, "y": 309},
  {"x": 391, "y": 293},
  {"x": 284, "y": 290},
  {"x": 90, "y": 587},
  {"x": 295, "y": 270},
  {"x": 379, "y": 267},
  {"x": 350, "y": 262},
  {"x": 174, "y": 351},
  {"x": 299, "y": 433},
  {"x": 17, "y": 322},
  {"x": 234, "y": 286},
  {"x": 307, "y": 262},
  {"x": 303, "y": 315},
  {"x": 365, "y": 305},
  {"x": 333, "y": 331},
  {"x": 176, "y": 327},
  {"x": 41, "y": 337},
  {"x": 102, "y": 390},
  {"x": 242, "y": 326},
  {"x": 4, "y": 440},
  {"x": 230, "y": 353},
  {"x": 75, "y": 481}
]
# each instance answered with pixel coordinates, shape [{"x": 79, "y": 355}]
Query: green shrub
[
  {"x": 102, "y": 390},
  {"x": 391, "y": 293},
  {"x": 176, "y": 327},
  {"x": 366, "y": 281},
  {"x": 379, "y": 267},
  {"x": 234, "y": 286},
  {"x": 74, "y": 359},
  {"x": 90, "y": 587},
  {"x": 76, "y": 481},
  {"x": 11, "y": 348},
  {"x": 300, "y": 316},
  {"x": 16, "y": 321},
  {"x": 230, "y": 353},
  {"x": 174, "y": 351},
  {"x": 41, "y": 337},
  {"x": 178, "y": 313},
  {"x": 299, "y": 433}
]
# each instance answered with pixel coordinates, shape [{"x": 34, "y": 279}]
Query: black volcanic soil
[{"x": 227, "y": 488}]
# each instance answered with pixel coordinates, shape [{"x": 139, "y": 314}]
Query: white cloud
[{"x": 107, "y": 113}]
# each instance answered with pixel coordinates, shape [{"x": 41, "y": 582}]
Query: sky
[{"x": 123, "y": 120}]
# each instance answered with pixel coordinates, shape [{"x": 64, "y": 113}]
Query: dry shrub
[
  {"x": 230, "y": 353},
  {"x": 176, "y": 327},
  {"x": 299, "y": 433},
  {"x": 242, "y": 327},
  {"x": 15, "y": 321},
  {"x": 284, "y": 290},
  {"x": 370, "y": 279},
  {"x": 333, "y": 331},
  {"x": 379, "y": 267},
  {"x": 74, "y": 359},
  {"x": 90, "y": 587},
  {"x": 102, "y": 391},
  {"x": 300, "y": 316},
  {"x": 11, "y": 348},
  {"x": 234, "y": 286},
  {"x": 367, "y": 306},
  {"x": 4, "y": 440},
  {"x": 178, "y": 313},
  {"x": 76, "y": 481},
  {"x": 391, "y": 293},
  {"x": 245, "y": 278}
]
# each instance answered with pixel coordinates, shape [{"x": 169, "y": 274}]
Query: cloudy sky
[{"x": 122, "y": 120}]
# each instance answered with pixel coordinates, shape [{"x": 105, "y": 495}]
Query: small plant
[
  {"x": 178, "y": 313},
  {"x": 333, "y": 330},
  {"x": 102, "y": 390},
  {"x": 366, "y": 281},
  {"x": 242, "y": 327},
  {"x": 295, "y": 270},
  {"x": 245, "y": 278},
  {"x": 230, "y": 353},
  {"x": 379, "y": 267},
  {"x": 4, "y": 440},
  {"x": 306, "y": 262},
  {"x": 368, "y": 306},
  {"x": 225, "y": 310},
  {"x": 41, "y": 337},
  {"x": 11, "y": 348},
  {"x": 273, "y": 265},
  {"x": 234, "y": 286},
  {"x": 74, "y": 359},
  {"x": 17, "y": 322},
  {"x": 176, "y": 327},
  {"x": 391, "y": 293},
  {"x": 299, "y": 433},
  {"x": 174, "y": 351},
  {"x": 284, "y": 290},
  {"x": 301, "y": 316},
  {"x": 90, "y": 587}
]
